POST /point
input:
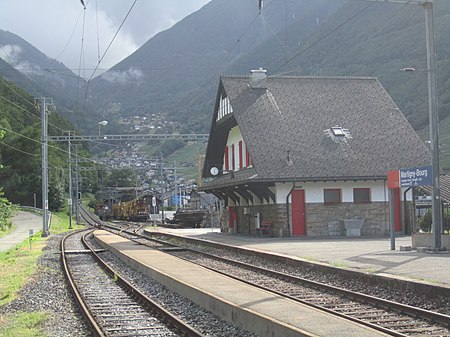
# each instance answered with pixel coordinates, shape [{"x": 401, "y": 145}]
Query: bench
[{"x": 265, "y": 229}]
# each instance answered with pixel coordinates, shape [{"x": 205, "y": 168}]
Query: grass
[
  {"x": 187, "y": 154},
  {"x": 9, "y": 229},
  {"x": 17, "y": 267},
  {"x": 23, "y": 324}
]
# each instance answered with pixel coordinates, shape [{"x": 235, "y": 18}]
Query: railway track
[
  {"x": 393, "y": 318},
  {"x": 113, "y": 306},
  {"x": 387, "y": 316}
]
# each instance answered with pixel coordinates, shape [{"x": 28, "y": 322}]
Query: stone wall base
[
  {"x": 321, "y": 220},
  {"x": 427, "y": 239}
]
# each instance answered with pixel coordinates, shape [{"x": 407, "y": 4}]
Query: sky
[{"x": 55, "y": 27}]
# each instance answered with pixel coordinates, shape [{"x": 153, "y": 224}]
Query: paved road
[{"x": 24, "y": 221}]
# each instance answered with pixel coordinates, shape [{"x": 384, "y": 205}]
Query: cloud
[
  {"x": 123, "y": 77},
  {"x": 12, "y": 54},
  {"x": 55, "y": 27}
]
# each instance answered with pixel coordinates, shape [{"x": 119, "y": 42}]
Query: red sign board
[{"x": 393, "y": 179}]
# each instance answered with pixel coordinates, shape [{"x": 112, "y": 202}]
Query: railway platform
[
  {"x": 248, "y": 307},
  {"x": 364, "y": 254}
]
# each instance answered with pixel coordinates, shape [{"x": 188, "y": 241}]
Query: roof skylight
[
  {"x": 338, "y": 134},
  {"x": 338, "y": 131}
]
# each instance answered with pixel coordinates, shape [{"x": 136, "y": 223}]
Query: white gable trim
[{"x": 225, "y": 107}]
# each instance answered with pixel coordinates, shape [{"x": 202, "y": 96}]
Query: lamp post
[
  {"x": 432, "y": 112},
  {"x": 100, "y": 124}
]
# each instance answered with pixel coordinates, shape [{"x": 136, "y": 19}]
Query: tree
[{"x": 6, "y": 208}]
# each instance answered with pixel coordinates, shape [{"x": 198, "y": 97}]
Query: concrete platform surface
[
  {"x": 248, "y": 307},
  {"x": 373, "y": 255},
  {"x": 24, "y": 221}
]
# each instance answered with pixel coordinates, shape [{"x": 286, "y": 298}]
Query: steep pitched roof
[{"x": 285, "y": 128}]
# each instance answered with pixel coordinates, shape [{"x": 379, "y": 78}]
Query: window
[
  {"x": 361, "y": 195},
  {"x": 332, "y": 196}
]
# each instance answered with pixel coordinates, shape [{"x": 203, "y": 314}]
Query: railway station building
[{"x": 308, "y": 155}]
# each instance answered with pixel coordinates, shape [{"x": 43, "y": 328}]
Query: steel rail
[
  {"x": 408, "y": 310},
  {"x": 169, "y": 318},
  {"x": 162, "y": 313},
  {"x": 74, "y": 289},
  {"x": 411, "y": 311}
]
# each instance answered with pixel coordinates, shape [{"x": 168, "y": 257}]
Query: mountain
[
  {"x": 176, "y": 72},
  {"x": 39, "y": 75},
  {"x": 380, "y": 41}
]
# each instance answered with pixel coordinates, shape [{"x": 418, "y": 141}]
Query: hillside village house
[{"x": 307, "y": 155}]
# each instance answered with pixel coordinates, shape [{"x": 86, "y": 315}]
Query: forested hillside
[
  {"x": 41, "y": 76},
  {"x": 20, "y": 149}
]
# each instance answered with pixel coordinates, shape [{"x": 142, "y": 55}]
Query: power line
[
  {"x": 28, "y": 112},
  {"x": 19, "y": 150},
  {"x": 68, "y": 42},
  {"x": 112, "y": 40},
  {"x": 323, "y": 37},
  {"x": 51, "y": 146},
  {"x": 81, "y": 52}
]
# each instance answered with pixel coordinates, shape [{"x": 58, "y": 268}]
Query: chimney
[{"x": 258, "y": 79}]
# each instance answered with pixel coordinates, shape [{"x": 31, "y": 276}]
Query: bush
[
  {"x": 426, "y": 221},
  {"x": 6, "y": 211}
]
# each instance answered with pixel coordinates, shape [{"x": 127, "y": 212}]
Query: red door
[
  {"x": 232, "y": 217},
  {"x": 397, "y": 210},
  {"x": 298, "y": 213}
]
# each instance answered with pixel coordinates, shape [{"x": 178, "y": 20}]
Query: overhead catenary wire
[
  {"x": 112, "y": 40},
  {"x": 313, "y": 44},
  {"x": 19, "y": 150},
  {"x": 51, "y": 146},
  {"x": 81, "y": 52},
  {"x": 98, "y": 33},
  {"x": 106, "y": 51},
  {"x": 30, "y": 113}
]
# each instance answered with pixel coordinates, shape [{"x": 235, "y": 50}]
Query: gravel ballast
[{"x": 47, "y": 291}]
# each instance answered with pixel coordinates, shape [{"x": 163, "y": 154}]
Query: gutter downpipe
[
  {"x": 287, "y": 208},
  {"x": 405, "y": 208}
]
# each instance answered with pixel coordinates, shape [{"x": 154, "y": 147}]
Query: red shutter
[
  {"x": 240, "y": 156},
  {"x": 233, "y": 158},
  {"x": 247, "y": 157},
  {"x": 227, "y": 161}
]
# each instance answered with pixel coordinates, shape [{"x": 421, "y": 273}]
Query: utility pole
[
  {"x": 69, "y": 200},
  {"x": 434, "y": 124},
  {"x": 162, "y": 188},
  {"x": 44, "y": 162},
  {"x": 432, "y": 112},
  {"x": 176, "y": 185},
  {"x": 77, "y": 201}
]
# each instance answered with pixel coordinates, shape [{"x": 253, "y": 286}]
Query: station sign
[{"x": 416, "y": 176}]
